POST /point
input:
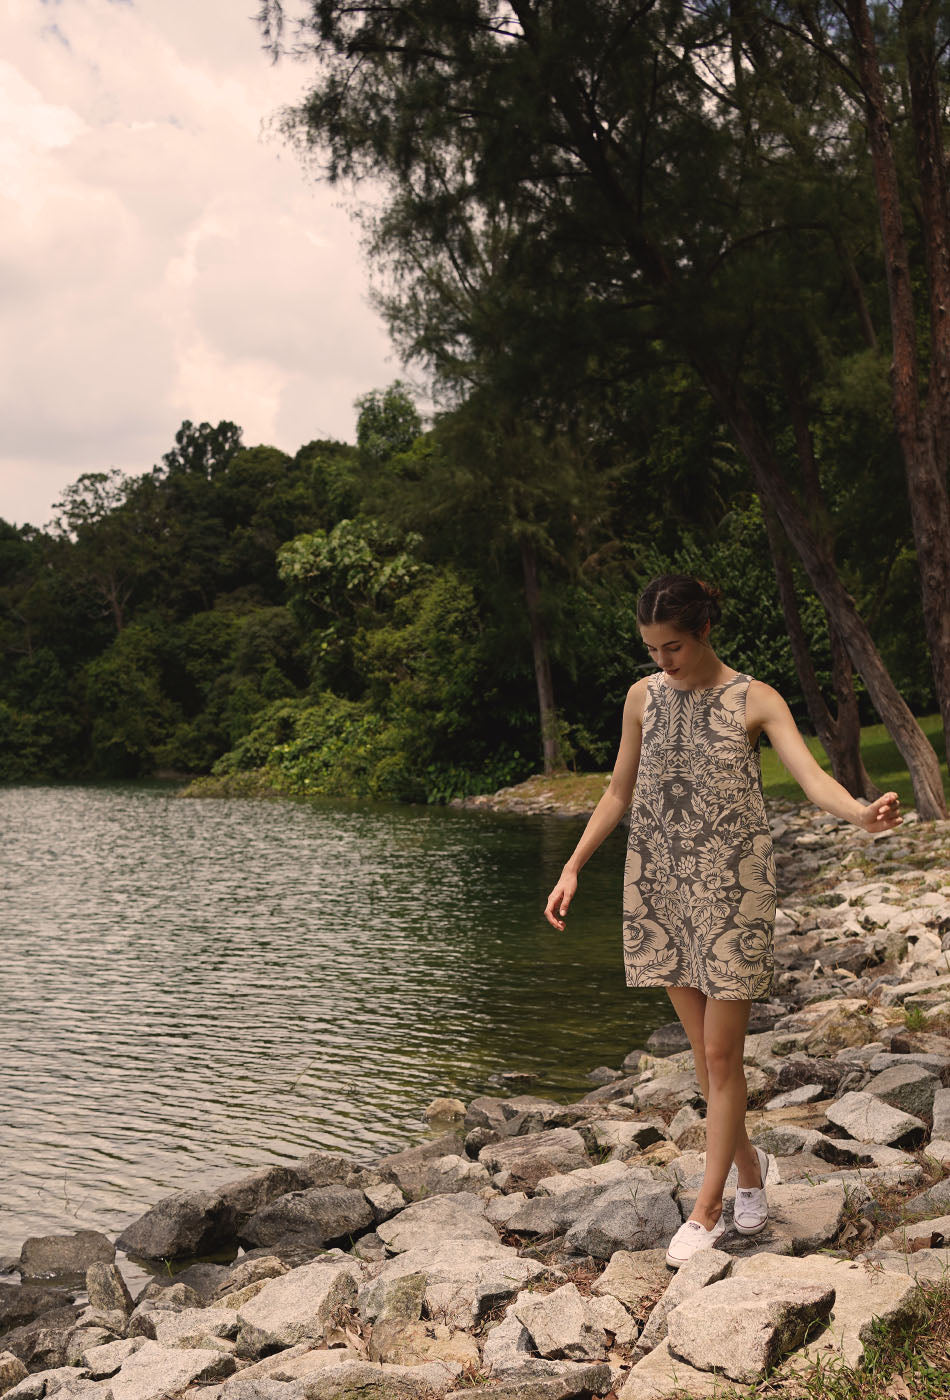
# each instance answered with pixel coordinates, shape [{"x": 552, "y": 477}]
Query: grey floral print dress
[{"x": 699, "y": 880}]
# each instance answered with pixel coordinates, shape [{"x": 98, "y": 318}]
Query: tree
[
  {"x": 868, "y": 59},
  {"x": 388, "y": 424},
  {"x": 654, "y": 181},
  {"x": 107, "y": 550},
  {"x": 204, "y": 451}
]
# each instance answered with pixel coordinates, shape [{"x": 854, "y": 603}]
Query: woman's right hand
[{"x": 559, "y": 899}]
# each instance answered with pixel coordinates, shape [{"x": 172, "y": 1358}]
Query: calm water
[{"x": 190, "y": 989}]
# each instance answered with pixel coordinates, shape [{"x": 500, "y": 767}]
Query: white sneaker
[
  {"x": 751, "y": 1210},
  {"x": 690, "y": 1237}
]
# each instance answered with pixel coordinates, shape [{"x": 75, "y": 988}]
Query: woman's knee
[{"x": 723, "y": 1059}]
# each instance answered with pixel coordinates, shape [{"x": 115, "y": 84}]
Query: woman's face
[{"x": 679, "y": 654}]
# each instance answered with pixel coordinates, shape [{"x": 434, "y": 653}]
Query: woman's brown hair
[{"x": 686, "y": 603}]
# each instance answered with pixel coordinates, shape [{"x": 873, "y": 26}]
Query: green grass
[{"x": 881, "y": 758}]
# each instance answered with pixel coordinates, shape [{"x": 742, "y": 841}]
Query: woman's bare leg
[{"x": 716, "y": 1033}]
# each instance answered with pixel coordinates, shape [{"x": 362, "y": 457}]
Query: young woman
[{"x": 699, "y": 882}]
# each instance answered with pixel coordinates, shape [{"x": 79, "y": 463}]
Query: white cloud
[{"x": 159, "y": 258}]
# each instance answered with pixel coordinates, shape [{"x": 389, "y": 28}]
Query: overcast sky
[{"x": 160, "y": 258}]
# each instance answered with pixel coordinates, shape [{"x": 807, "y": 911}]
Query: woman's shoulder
[
  {"x": 761, "y": 698},
  {"x": 638, "y": 695}
]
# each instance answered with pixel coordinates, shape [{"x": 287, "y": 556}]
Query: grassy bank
[
  {"x": 881, "y": 759},
  {"x": 575, "y": 792}
]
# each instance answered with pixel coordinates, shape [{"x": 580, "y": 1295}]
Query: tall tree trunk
[
  {"x": 918, "y": 754},
  {"x": 542, "y": 662},
  {"x": 853, "y": 775},
  {"x": 845, "y": 727},
  {"x": 923, "y": 428},
  {"x": 841, "y": 736}
]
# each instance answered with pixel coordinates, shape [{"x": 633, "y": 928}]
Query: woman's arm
[
  {"x": 609, "y": 809},
  {"x": 766, "y": 710}
]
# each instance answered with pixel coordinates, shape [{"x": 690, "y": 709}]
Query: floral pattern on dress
[{"x": 699, "y": 880}]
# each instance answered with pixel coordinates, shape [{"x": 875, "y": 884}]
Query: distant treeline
[{"x": 373, "y": 619}]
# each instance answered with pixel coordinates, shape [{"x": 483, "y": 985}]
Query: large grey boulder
[
  {"x": 891, "y": 996},
  {"x": 936, "y": 1063},
  {"x": 21, "y": 1303},
  {"x": 861, "y": 1295},
  {"x": 790, "y": 1098},
  {"x": 932, "y": 1233},
  {"x": 742, "y": 1327},
  {"x": 58, "y": 1381},
  {"x": 630, "y": 1215},
  {"x": 526, "y": 1160},
  {"x": 555, "y": 1213},
  {"x": 107, "y": 1290},
  {"x": 202, "y": 1278},
  {"x": 787, "y": 1139},
  {"x": 507, "y": 1345},
  {"x": 457, "y": 1216},
  {"x": 465, "y": 1279},
  {"x": 191, "y": 1327},
  {"x": 941, "y": 1114},
  {"x": 154, "y": 1372},
  {"x": 869, "y": 1119},
  {"x": 189, "y": 1222},
  {"x": 366, "y": 1380},
  {"x": 103, "y": 1361},
  {"x": 611, "y": 1134},
  {"x": 566, "y": 1326},
  {"x": 12, "y": 1371},
  {"x": 934, "y": 1201},
  {"x": 667, "y": 1092},
  {"x": 923, "y": 1265},
  {"x": 908, "y": 1087},
  {"x": 599, "y": 1177},
  {"x": 490, "y": 1111},
  {"x": 51, "y": 1256},
  {"x": 197, "y": 1222},
  {"x": 42, "y": 1343},
  {"x": 545, "y": 1380},
  {"x": 415, "y": 1343},
  {"x": 247, "y": 1194},
  {"x": 455, "y": 1172},
  {"x": 409, "y": 1169},
  {"x": 300, "y": 1305},
  {"x": 330, "y": 1214},
  {"x": 634, "y": 1277},
  {"x": 660, "y": 1375},
  {"x": 803, "y": 1215},
  {"x": 705, "y": 1267},
  {"x": 797, "y": 1069}
]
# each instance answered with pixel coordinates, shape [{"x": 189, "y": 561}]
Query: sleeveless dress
[{"x": 699, "y": 878}]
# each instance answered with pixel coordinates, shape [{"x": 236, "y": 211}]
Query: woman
[{"x": 699, "y": 882}]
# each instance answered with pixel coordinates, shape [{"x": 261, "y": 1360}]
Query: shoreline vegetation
[
  {"x": 576, "y": 794},
  {"x": 519, "y": 1249}
]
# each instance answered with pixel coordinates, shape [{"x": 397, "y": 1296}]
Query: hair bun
[{"x": 713, "y": 596}]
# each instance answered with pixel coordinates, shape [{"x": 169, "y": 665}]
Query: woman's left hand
[{"x": 881, "y": 814}]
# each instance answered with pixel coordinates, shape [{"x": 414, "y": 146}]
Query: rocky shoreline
[{"x": 520, "y": 1250}]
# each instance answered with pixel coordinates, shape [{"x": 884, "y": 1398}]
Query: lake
[{"x": 194, "y": 988}]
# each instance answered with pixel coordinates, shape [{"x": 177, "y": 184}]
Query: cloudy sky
[{"x": 161, "y": 257}]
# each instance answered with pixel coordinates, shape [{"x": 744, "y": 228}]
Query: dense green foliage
[{"x": 349, "y": 622}]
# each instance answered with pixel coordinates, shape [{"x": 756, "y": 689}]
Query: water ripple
[{"x": 194, "y": 988}]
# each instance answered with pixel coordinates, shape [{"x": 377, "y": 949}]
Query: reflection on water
[{"x": 194, "y": 988}]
